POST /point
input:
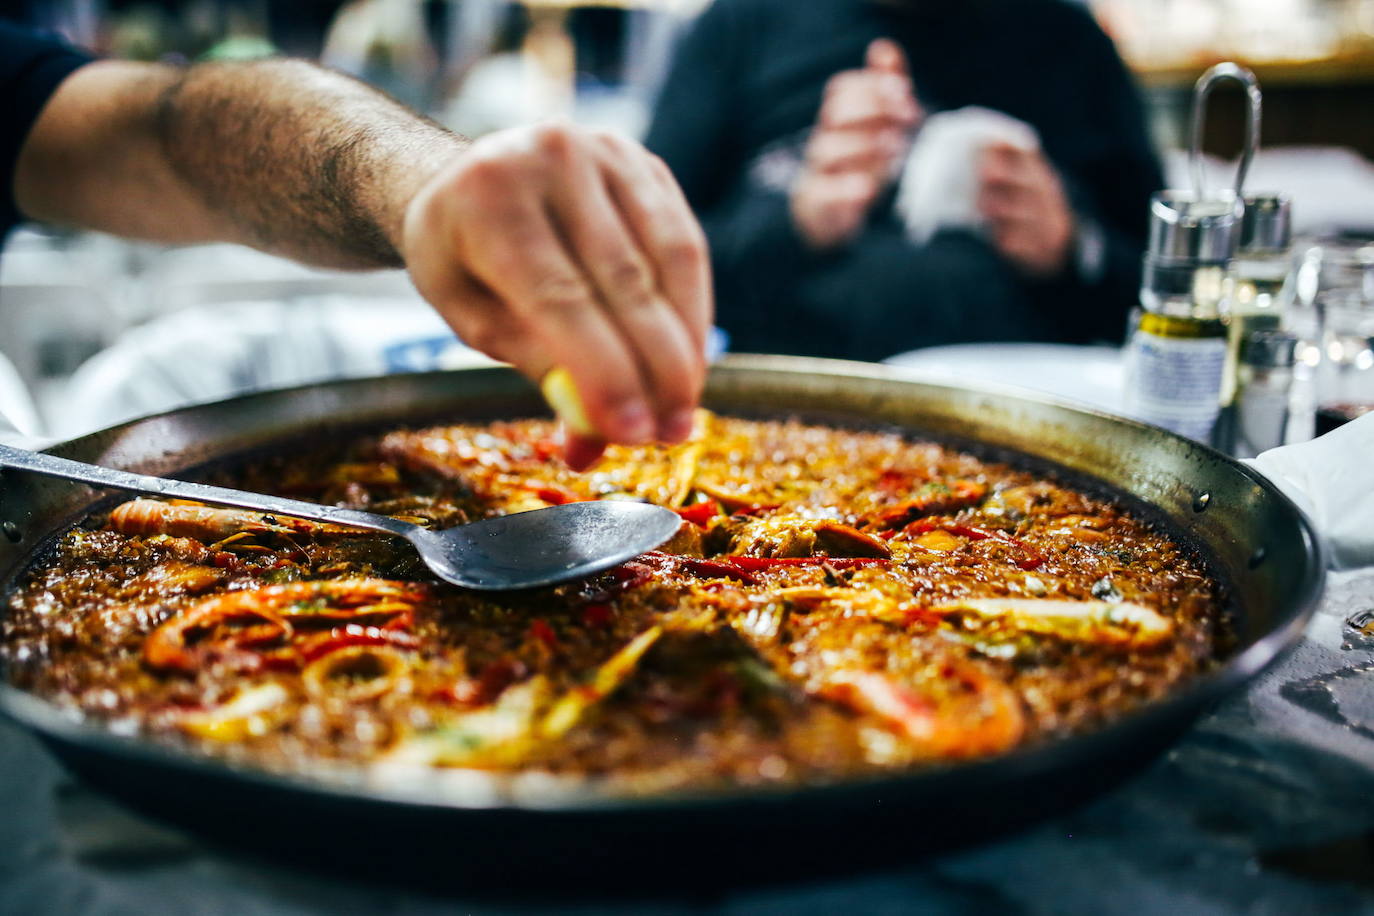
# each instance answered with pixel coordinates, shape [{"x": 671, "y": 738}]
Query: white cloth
[
  {"x": 215, "y": 351},
  {"x": 19, "y": 422},
  {"x": 1332, "y": 479},
  {"x": 938, "y": 188}
]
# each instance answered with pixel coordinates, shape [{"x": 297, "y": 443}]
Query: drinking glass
[{"x": 1333, "y": 312}]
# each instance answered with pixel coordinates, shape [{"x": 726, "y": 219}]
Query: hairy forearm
[
  {"x": 304, "y": 161},
  {"x": 280, "y": 155}
]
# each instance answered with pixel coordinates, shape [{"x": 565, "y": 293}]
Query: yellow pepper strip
[
  {"x": 251, "y": 712},
  {"x": 615, "y": 671},
  {"x": 501, "y": 735},
  {"x": 1118, "y": 623}
]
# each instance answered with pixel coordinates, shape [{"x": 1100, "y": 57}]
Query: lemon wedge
[{"x": 561, "y": 393}]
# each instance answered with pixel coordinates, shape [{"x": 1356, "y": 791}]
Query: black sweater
[
  {"x": 31, "y": 68},
  {"x": 748, "y": 79}
]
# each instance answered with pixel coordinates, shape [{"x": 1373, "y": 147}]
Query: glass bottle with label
[{"x": 1176, "y": 352}]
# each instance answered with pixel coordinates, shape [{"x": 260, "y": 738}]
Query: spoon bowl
[
  {"x": 524, "y": 550},
  {"x": 544, "y": 546}
]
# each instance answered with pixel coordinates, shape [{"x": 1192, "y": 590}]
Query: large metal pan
[{"x": 1252, "y": 536}]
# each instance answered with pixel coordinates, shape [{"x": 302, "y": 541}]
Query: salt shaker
[
  {"x": 1260, "y": 289},
  {"x": 1264, "y": 380}
]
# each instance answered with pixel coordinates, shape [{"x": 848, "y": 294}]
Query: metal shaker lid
[
  {"x": 1267, "y": 226},
  {"x": 1187, "y": 230},
  {"x": 1204, "y": 226},
  {"x": 1269, "y": 349}
]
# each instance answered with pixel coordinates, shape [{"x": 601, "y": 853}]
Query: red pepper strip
[
  {"x": 556, "y": 496},
  {"x": 487, "y": 686},
  {"x": 625, "y": 576},
  {"x": 540, "y": 630},
  {"x": 281, "y": 660},
  {"x": 497, "y": 676},
  {"x": 708, "y": 569},
  {"x": 701, "y": 513},
  {"x": 544, "y": 449},
  {"x": 322, "y": 644},
  {"x": 597, "y": 614},
  {"x": 759, "y": 564},
  {"x": 1032, "y": 559},
  {"x": 894, "y": 481},
  {"x": 936, "y": 499}
]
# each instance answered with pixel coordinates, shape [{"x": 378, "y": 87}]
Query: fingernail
[
  {"x": 635, "y": 422},
  {"x": 676, "y": 427}
]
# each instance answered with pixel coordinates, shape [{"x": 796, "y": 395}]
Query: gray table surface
[{"x": 1266, "y": 806}]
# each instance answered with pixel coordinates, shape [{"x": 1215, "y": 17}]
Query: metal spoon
[{"x": 524, "y": 550}]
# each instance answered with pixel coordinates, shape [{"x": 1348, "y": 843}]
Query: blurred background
[{"x": 80, "y": 312}]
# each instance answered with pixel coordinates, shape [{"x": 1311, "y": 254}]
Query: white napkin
[
  {"x": 939, "y": 184},
  {"x": 1332, "y": 479}
]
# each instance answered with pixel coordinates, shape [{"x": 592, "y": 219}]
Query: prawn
[
  {"x": 231, "y": 622},
  {"x": 148, "y": 517},
  {"x": 980, "y": 715}
]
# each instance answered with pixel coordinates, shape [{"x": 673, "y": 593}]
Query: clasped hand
[{"x": 863, "y": 134}]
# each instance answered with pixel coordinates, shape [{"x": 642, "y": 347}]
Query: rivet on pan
[
  {"x": 1200, "y": 501},
  {"x": 11, "y": 531},
  {"x": 1258, "y": 557}
]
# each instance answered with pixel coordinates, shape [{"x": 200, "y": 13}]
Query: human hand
[
  {"x": 1028, "y": 214},
  {"x": 553, "y": 246},
  {"x": 861, "y": 134}
]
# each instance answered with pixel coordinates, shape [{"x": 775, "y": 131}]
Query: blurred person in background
[
  {"x": 788, "y": 127},
  {"x": 544, "y": 247}
]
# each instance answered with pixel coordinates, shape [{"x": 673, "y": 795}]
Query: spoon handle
[{"x": 53, "y": 466}]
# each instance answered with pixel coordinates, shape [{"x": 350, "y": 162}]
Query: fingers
[
  {"x": 484, "y": 323},
  {"x": 865, "y": 98},
  {"x": 1028, "y": 215},
  {"x": 625, "y": 281},
  {"x": 661, "y": 223},
  {"x": 885, "y": 56},
  {"x": 1014, "y": 182},
  {"x": 861, "y": 136},
  {"x": 1003, "y": 202},
  {"x": 526, "y": 264},
  {"x": 854, "y": 150}
]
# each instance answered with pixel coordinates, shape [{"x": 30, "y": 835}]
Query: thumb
[{"x": 885, "y": 56}]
